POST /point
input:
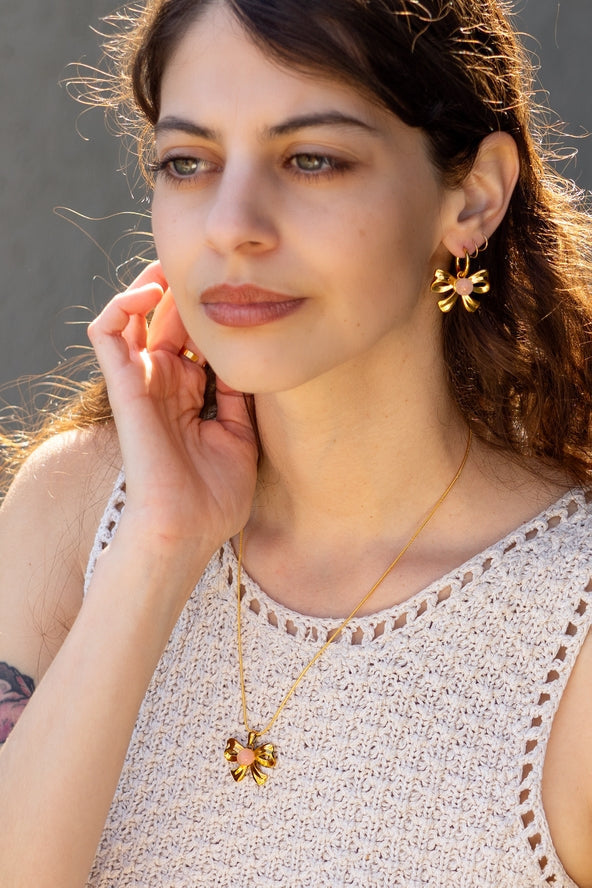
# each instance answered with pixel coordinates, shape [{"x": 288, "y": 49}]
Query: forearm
[{"x": 60, "y": 766}]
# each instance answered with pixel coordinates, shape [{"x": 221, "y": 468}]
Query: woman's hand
[
  {"x": 190, "y": 485},
  {"x": 186, "y": 478}
]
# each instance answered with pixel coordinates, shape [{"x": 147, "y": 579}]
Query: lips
[{"x": 247, "y": 305}]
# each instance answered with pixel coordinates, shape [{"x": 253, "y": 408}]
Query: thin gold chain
[{"x": 342, "y": 626}]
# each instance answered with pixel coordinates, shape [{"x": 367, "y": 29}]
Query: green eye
[
  {"x": 184, "y": 166},
  {"x": 311, "y": 163}
]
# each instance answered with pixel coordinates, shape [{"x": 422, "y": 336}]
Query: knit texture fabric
[{"x": 411, "y": 755}]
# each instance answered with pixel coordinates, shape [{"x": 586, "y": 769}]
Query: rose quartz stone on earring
[
  {"x": 245, "y": 757},
  {"x": 463, "y": 286}
]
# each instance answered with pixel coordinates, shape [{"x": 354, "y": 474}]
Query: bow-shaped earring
[{"x": 463, "y": 284}]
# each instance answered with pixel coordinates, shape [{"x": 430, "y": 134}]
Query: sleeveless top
[{"x": 411, "y": 755}]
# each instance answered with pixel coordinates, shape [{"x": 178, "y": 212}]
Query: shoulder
[
  {"x": 65, "y": 483},
  {"x": 47, "y": 526}
]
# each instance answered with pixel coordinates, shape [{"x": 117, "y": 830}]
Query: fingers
[
  {"x": 152, "y": 274},
  {"x": 125, "y": 317},
  {"x": 167, "y": 330},
  {"x": 121, "y": 326},
  {"x": 233, "y": 413},
  {"x": 119, "y": 332}
]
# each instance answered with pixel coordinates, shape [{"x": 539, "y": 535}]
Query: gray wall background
[{"x": 53, "y": 260}]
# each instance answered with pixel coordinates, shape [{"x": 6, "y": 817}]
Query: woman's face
[{"x": 298, "y": 225}]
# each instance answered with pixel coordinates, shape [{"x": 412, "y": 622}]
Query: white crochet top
[{"x": 411, "y": 755}]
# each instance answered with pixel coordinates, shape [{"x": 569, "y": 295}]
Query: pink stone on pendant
[
  {"x": 245, "y": 757},
  {"x": 463, "y": 286}
]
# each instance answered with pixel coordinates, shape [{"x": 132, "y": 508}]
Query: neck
[
  {"x": 354, "y": 449},
  {"x": 353, "y": 463}
]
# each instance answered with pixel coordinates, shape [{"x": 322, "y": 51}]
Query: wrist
[{"x": 149, "y": 577}]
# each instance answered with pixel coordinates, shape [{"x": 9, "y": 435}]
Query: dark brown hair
[{"x": 519, "y": 368}]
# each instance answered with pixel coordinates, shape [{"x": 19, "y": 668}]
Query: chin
[{"x": 261, "y": 380}]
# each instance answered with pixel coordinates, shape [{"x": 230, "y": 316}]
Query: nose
[{"x": 240, "y": 215}]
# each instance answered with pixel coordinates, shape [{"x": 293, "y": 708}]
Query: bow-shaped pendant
[
  {"x": 250, "y": 758},
  {"x": 463, "y": 285}
]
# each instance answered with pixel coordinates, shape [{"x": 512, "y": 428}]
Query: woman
[{"x": 353, "y": 224}]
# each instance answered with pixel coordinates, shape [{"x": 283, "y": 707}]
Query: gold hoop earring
[
  {"x": 463, "y": 284},
  {"x": 480, "y": 249}
]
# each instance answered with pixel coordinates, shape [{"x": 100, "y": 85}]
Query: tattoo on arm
[{"x": 15, "y": 691}]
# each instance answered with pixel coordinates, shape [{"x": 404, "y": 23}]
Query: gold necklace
[{"x": 252, "y": 758}]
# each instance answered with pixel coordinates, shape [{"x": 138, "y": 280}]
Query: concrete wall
[
  {"x": 49, "y": 257},
  {"x": 49, "y": 262}
]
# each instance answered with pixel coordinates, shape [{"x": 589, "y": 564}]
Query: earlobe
[{"x": 486, "y": 194}]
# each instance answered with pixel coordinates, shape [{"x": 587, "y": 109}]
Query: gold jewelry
[
  {"x": 480, "y": 249},
  {"x": 250, "y": 757},
  {"x": 191, "y": 356},
  {"x": 463, "y": 285}
]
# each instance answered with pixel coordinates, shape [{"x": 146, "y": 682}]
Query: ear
[{"x": 482, "y": 199}]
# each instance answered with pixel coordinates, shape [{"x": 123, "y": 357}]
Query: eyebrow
[
  {"x": 292, "y": 125},
  {"x": 322, "y": 118}
]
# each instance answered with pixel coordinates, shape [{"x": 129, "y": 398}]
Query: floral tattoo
[{"x": 15, "y": 691}]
